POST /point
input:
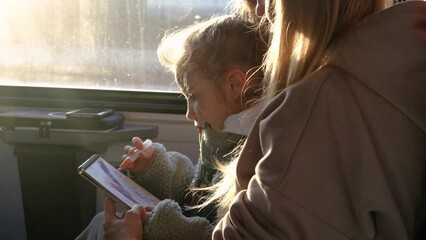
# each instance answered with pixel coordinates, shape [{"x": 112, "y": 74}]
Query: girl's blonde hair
[
  {"x": 213, "y": 47},
  {"x": 303, "y": 32}
]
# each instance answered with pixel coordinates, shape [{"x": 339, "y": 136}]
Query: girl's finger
[
  {"x": 109, "y": 210},
  {"x": 149, "y": 208},
  {"x": 131, "y": 151},
  {"x": 137, "y": 142},
  {"x": 135, "y": 213},
  {"x": 127, "y": 148}
]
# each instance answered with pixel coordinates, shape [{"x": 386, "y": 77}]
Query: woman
[{"x": 340, "y": 152}]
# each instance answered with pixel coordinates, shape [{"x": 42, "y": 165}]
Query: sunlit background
[{"x": 100, "y": 44}]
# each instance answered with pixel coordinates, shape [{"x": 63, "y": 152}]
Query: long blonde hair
[{"x": 303, "y": 32}]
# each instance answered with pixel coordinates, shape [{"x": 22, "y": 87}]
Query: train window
[{"x": 92, "y": 44}]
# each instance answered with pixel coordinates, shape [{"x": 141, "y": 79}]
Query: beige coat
[{"x": 342, "y": 155}]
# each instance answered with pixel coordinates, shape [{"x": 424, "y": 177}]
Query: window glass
[{"x": 94, "y": 44}]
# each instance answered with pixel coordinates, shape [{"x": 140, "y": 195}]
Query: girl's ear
[{"x": 236, "y": 79}]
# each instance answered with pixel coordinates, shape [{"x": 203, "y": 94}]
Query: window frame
[{"x": 68, "y": 98}]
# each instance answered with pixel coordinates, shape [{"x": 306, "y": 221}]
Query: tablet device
[{"x": 114, "y": 183}]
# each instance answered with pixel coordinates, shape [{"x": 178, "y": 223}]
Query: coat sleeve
[
  {"x": 168, "y": 175},
  {"x": 255, "y": 214}
]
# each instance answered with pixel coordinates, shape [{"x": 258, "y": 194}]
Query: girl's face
[{"x": 206, "y": 102}]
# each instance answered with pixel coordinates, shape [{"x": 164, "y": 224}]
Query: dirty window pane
[{"x": 95, "y": 44}]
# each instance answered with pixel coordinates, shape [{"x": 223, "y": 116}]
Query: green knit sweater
[{"x": 169, "y": 176}]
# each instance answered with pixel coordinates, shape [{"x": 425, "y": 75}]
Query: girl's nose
[{"x": 190, "y": 115}]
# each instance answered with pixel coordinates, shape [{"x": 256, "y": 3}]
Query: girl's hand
[
  {"x": 142, "y": 158},
  {"x": 130, "y": 226}
]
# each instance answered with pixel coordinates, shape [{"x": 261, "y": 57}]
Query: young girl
[{"x": 216, "y": 65}]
